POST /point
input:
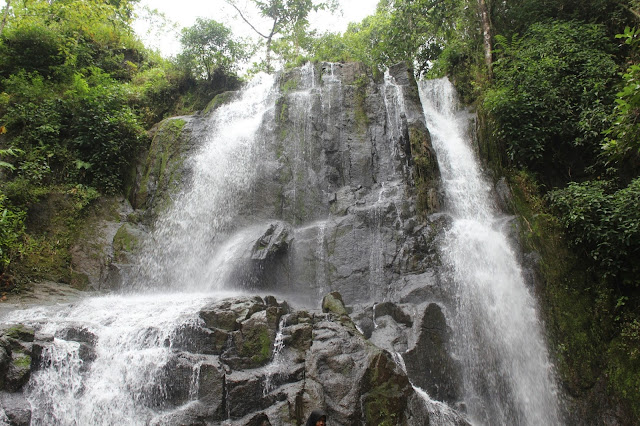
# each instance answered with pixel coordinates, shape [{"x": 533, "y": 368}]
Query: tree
[
  {"x": 623, "y": 137},
  {"x": 286, "y": 17},
  {"x": 550, "y": 99},
  {"x": 208, "y": 46}
]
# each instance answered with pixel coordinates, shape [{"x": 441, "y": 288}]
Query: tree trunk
[
  {"x": 4, "y": 18},
  {"x": 268, "y": 57},
  {"x": 486, "y": 34}
]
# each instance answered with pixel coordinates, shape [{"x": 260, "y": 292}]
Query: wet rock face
[
  {"x": 345, "y": 181},
  {"x": 429, "y": 362},
  {"x": 339, "y": 170},
  {"x": 255, "y": 361}
]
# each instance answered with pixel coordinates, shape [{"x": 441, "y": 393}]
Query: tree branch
[{"x": 245, "y": 19}]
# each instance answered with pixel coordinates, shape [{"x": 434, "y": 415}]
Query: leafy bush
[
  {"x": 605, "y": 224},
  {"x": 33, "y": 47},
  {"x": 551, "y": 95},
  {"x": 11, "y": 231},
  {"x": 623, "y": 138},
  {"x": 104, "y": 132}
]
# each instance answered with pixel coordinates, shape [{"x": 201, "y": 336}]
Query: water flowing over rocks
[
  {"x": 321, "y": 187},
  {"x": 225, "y": 366}
]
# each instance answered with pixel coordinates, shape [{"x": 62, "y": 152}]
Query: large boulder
[{"x": 430, "y": 363}]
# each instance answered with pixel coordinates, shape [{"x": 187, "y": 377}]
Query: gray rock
[
  {"x": 272, "y": 243},
  {"x": 429, "y": 362},
  {"x": 394, "y": 311},
  {"x": 16, "y": 408},
  {"x": 77, "y": 333}
]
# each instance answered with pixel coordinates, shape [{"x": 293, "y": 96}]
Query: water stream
[
  {"x": 123, "y": 375},
  {"x": 507, "y": 375}
]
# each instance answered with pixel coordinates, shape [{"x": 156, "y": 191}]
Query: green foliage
[
  {"x": 208, "y": 47},
  {"x": 11, "y": 230},
  {"x": 550, "y": 97},
  {"x": 288, "y": 20},
  {"x": 31, "y": 48},
  {"x": 623, "y": 137},
  {"x": 516, "y": 16},
  {"x": 604, "y": 223},
  {"x": 105, "y": 133}
]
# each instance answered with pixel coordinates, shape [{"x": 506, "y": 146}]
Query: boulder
[
  {"x": 429, "y": 362},
  {"x": 272, "y": 243},
  {"x": 16, "y": 409},
  {"x": 333, "y": 303}
]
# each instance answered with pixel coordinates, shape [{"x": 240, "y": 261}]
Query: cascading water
[
  {"x": 123, "y": 375},
  {"x": 179, "y": 254},
  {"x": 130, "y": 374},
  {"x": 507, "y": 375}
]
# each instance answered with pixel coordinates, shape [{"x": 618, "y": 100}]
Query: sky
[{"x": 185, "y": 12}]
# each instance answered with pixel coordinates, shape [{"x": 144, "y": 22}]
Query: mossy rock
[
  {"x": 256, "y": 343},
  {"x": 20, "y": 332},
  {"x": 385, "y": 392},
  {"x": 163, "y": 165},
  {"x": 219, "y": 100},
  {"x": 125, "y": 242},
  {"x": 427, "y": 172},
  {"x": 333, "y": 303},
  {"x": 79, "y": 281}
]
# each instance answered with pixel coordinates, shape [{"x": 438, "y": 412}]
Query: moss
[
  {"x": 20, "y": 332},
  {"x": 425, "y": 168},
  {"x": 577, "y": 313},
  {"x": 163, "y": 163},
  {"x": 289, "y": 85},
  {"x": 79, "y": 281},
  {"x": 21, "y": 360},
  {"x": 219, "y": 100},
  {"x": 623, "y": 368},
  {"x": 55, "y": 216},
  {"x": 385, "y": 393},
  {"x": 256, "y": 345},
  {"x": 282, "y": 110},
  {"x": 360, "y": 98},
  {"x": 124, "y": 242}
]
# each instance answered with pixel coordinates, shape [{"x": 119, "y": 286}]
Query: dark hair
[{"x": 315, "y": 416}]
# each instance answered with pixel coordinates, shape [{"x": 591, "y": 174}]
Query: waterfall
[
  {"x": 131, "y": 375},
  {"x": 197, "y": 225},
  {"x": 129, "y": 371},
  {"x": 507, "y": 374}
]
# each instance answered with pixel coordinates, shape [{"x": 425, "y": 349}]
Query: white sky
[{"x": 185, "y": 12}]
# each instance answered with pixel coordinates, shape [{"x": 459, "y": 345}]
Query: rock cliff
[{"x": 343, "y": 202}]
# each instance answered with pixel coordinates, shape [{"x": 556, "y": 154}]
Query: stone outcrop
[
  {"x": 249, "y": 360},
  {"x": 345, "y": 204}
]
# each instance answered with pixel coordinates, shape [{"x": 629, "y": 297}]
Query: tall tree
[
  {"x": 486, "y": 34},
  {"x": 285, "y": 17},
  {"x": 208, "y": 46}
]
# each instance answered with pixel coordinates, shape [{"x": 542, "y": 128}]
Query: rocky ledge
[{"x": 247, "y": 360}]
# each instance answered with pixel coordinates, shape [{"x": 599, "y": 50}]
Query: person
[{"x": 317, "y": 418}]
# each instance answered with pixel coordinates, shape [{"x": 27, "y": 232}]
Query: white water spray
[
  {"x": 132, "y": 350},
  {"x": 223, "y": 172},
  {"x": 498, "y": 336}
]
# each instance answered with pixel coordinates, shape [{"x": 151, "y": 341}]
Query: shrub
[
  {"x": 605, "y": 224},
  {"x": 551, "y": 95}
]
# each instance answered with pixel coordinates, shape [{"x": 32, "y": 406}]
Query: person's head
[{"x": 317, "y": 418}]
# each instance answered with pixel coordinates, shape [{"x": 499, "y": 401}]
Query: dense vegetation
[
  {"x": 556, "y": 84},
  {"x": 77, "y": 91}
]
